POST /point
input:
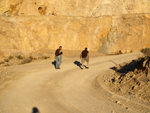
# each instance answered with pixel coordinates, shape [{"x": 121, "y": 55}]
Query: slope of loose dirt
[{"x": 130, "y": 79}]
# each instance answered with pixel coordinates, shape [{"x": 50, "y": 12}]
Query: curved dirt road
[{"x": 39, "y": 87}]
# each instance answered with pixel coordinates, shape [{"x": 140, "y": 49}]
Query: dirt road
[{"x": 38, "y": 87}]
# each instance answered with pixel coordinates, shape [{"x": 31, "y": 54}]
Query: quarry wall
[{"x": 107, "y": 26}]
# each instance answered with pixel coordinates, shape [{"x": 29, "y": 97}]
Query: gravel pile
[{"x": 132, "y": 78}]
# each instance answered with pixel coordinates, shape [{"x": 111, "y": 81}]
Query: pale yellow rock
[
  {"x": 40, "y": 32},
  {"x": 107, "y": 26},
  {"x": 83, "y": 8}
]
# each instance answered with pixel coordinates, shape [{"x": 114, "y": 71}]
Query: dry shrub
[
  {"x": 20, "y": 57},
  {"x": 118, "y": 52},
  {"x": 2, "y": 62},
  {"x": 26, "y": 60},
  {"x": 146, "y": 51},
  {"x": 6, "y": 60}
]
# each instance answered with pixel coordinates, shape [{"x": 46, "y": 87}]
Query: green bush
[
  {"x": 10, "y": 57},
  {"x": 19, "y": 57}
]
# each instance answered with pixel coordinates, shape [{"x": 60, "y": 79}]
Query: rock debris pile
[{"x": 132, "y": 78}]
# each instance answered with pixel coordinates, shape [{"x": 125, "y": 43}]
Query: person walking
[
  {"x": 84, "y": 56},
  {"x": 58, "y": 55}
]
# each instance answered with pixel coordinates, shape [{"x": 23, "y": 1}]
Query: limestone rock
[
  {"x": 108, "y": 26},
  {"x": 118, "y": 102},
  {"x": 33, "y": 34},
  {"x": 84, "y": 8},
  {"x": 128, "y": 33}
]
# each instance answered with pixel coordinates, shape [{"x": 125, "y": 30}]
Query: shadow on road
[
  {"x": 35, "y": 110},
  {"x": 78, "y": 63},
  {"x": 54, "y": 63}
]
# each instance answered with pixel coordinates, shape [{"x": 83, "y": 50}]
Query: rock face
[
  {"x": 83, "y": 8},
  {"x": 107, "y": 26},
  {"x": 39, "y": 32},
  {"x": 129, "y": 33}
]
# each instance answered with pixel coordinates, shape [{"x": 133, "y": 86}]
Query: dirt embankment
[{"x": 129, "y": 79}]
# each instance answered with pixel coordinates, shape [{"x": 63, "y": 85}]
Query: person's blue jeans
[{"x": 58, "y": 61}]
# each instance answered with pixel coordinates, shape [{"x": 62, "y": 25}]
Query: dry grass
[
  {"x": 146, "y": 51},
  {"x": 26, "y": 60}
]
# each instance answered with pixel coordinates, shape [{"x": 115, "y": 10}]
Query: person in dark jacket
[{"x": 84, "y": 56}]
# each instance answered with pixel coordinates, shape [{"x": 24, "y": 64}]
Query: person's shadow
[
  {"x": 54, "y": 63},
  {"x": 78, "y": 63},
  {"x": 35, "y": 110}
]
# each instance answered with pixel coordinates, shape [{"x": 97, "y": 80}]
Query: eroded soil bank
[{"x": 130, "y": 79}]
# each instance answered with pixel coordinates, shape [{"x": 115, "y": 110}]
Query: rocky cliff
[{"x": 107, "y": 26}]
